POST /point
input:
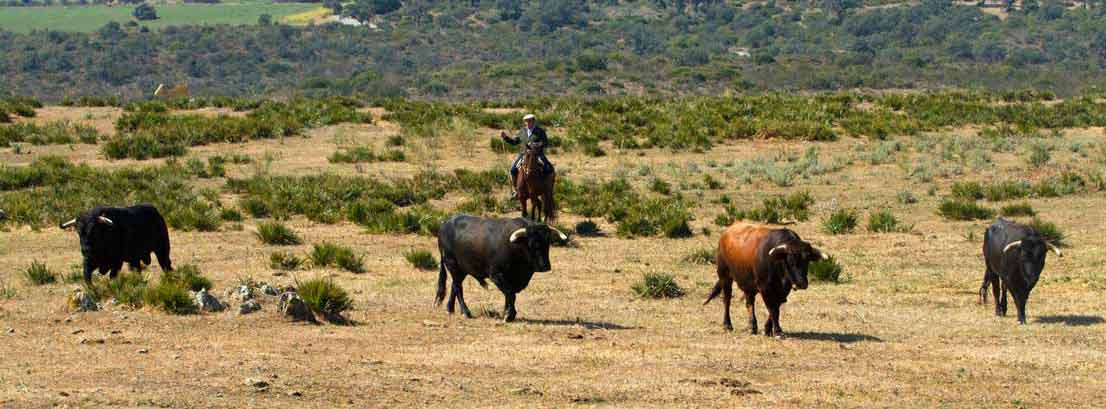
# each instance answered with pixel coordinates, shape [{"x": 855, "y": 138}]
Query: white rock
[
  {"x": 248, "y": 307},
  {"x": 207, "y": 302}
]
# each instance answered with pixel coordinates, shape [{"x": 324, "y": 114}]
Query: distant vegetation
[{"x": 514, "y": 49}]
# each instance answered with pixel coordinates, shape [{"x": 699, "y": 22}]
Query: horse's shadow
[
  {"x": 577, "y": 323},
  {"x": 832, "y": 336},
  {"x": 1071, "y": 320}
]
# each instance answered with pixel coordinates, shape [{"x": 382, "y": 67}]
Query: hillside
[{"x": 511, "y": 49}]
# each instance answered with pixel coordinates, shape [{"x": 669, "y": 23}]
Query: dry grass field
[{"x": 902, "y": 329}]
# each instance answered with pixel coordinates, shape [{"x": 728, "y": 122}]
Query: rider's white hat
[{"x": 528, "y": 116}]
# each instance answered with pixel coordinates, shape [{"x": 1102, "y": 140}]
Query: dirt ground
[{"x": 903, "y": 329}]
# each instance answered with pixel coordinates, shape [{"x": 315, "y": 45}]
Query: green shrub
[
  {"x": 826, "y": 270},
  {"x": 230, "y": 215},
  {"x": 841, "y": 221},
  {"x": 1018, "y": 209},
  {"x": 421, "y": 259},
  {"x": 660, "y": 186},
  {"x": 359, "y": 154},
  {"x": 188, "y": 277},
  {"x": 1049, "y": 232},
  {"x": 883, "y": 221},
  {"x": 1039, "y": 154},
  {"x": 284, "y": 261},
  {"x": 1007, "y": 190},
  {"x": 700, "y": 256},
  {"x": 587, "y": 228},
  {"x": 961, "y": 210},
  {"x": 39, "y": 274},
  {"x": 907, "y": 197},
  {"x": 324, "y": 296},
  {"x": 127, "y": 288},
  {"x": 775, "y": 209},
  {"x": 654, "y": 285},
  {"x": 332, "y": 255},
  {"x": 967, "y": 191},
  {"x": 171, "y": 297},
  {"x": 276, "y": 233},
  {"x": 141, "y": 147},
  {"x": 663, "y": 217}
]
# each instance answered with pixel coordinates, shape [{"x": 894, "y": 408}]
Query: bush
[
  {"x": 332, "y": 255},
  {"x": 325, "y": 297},
  {"x": 230, "y": 215},
  {"x": 907, "y": 197},
  {"x": 140, "y": 147},
  {"x": 587, "y": 228},
  {"x": 188, "y": 277},
  {"x": 660, "y": 186},
  {"x": 967, "y": 190},
  {"x": 774, "y": 210},
  {"x": 1039, "y": 154},
  {"x": 664, "y": 217},
  {"x": 841, "y": 221},
  {"x": 883, "y": 221},
  {"x": 276, "y": 233},
  {"x": 128, "y": 288},
  {"x": 284, "y": 261},
  {"x": 171, "y": 297},
  {"x": 700, "y": 256},
  {"x": 1018, "y": 209},
  {"x": 39, "y": 274},
  {"x": 825, "y": 270},
  {"x": 1049, "y": 232},
  {"x": 654, "y": 285},
  {"x": 421, "y": 259},
  {"x": 961, "y": 210}
]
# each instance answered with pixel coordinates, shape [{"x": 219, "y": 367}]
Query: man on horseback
[{"x": 531, "y": 136}]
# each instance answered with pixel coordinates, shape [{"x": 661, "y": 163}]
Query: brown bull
[{"x": 761, "y": 260}]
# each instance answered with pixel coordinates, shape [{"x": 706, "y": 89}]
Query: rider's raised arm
[{"x": 507, "y": 138}]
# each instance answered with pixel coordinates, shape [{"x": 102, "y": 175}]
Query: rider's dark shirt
[{"x": 536, "y": 135}]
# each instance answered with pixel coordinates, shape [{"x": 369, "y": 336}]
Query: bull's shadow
[
  {"x": 831, "y": 336},
  {"x": 576, "y": 323},
  {"x": 1071, "y": 320}
]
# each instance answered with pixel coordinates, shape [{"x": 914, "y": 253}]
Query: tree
[
  {"x": 145, "y": 12},
  {"x": 265, "y": 20},
  {"x": 509, "y": 9}
]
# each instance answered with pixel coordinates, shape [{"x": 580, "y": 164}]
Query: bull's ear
[
  {"x": 68, "y": 224},
  {"x": 778, "y": 252},
  {"x": 518, "y": 235}
]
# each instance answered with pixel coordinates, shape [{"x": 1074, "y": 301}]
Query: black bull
[
  {"x": 508, "y": 251},
  {"x": 1014, "y": 255},
  {"x": 111, "y": 236}
]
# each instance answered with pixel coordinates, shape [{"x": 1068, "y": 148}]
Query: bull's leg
[
  {"x": 727, "y": 298},
  {"x": 1000, "y": 300},
  {"x": 1019, "y": 303},
  {"x": 772, "y": 327},
  {"x": 163, "y": 260},
  {"x": 458, "y": 293},
  {"x": 509, "y": 312},
  {"x": 88, "y": 269},
  {"x": 996, "y": 289},
  {"x": 750, "y": 306},
  {"x": 988, "y": 276}
]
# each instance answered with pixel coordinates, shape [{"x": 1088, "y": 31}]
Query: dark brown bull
[{"x": 761, "y": 260}]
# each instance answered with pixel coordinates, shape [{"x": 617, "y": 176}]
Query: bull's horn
[
  {"x": 782, "y": 247},
  {"x": 1011, "y": 245},
  {"x": 518, "y": 234},
  {"x": 563, "y": 236},
  {"x": 1055, "y": 249},
  {"x": 825, "y": 256},
  {"x": 68, "y": 224},
  {"x": 105, "y": 220}
]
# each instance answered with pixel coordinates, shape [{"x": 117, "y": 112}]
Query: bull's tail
[
  {"x": 714, "y": 292},
  {"x": 441, "y": 284}
]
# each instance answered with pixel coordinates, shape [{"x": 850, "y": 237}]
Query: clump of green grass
[
  {"x": 170, "y": 296},
  {"x": 421, "y": 259},
  {"x": 1049, "y": 232},
  {"x": 284, "y": 261},
  {"x": 276, "y": 233},
  {"x": 587, "y": 228},
  {"x": 1039, "y": 154},
  {"x": 128, "y": 288},
  {"x": 841, "y": 221},
  {"x": 883, "y": 221},
  {"x": 825, "y": 270},
  {"x": 7, "y": 292},
  {"x": 660, "y": 186},
  {"x": 188, "y": 277},
  {"x": 907, "y": 197},
  {"x": 230, "y": 214},
  {"x": 329, "y": 254},
  {"x": 963, "y": 210},
  {"x": 700, "y": 256},
  {"x": 775, "y": 210},
  {"x": 967, "y": 190},
  {"x": 1018, "y": 209},
  {"x": 39, "y": 274},
  {"x": 656, "y": 285},
  {"x": 664, "y": 217},
  {"x": 325, "y": 297}
]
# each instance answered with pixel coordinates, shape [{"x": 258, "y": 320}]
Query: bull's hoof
[
  {"x": 728, "y": 328},
  {"x": 509, "y": 316}
]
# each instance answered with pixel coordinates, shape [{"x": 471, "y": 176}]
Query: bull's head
[
  {"x": 536, "y": 239},
  {"x": 87, "y": 225},
  {"x": 1029, "y": 254},
  {"x": 796, "y": 256}
]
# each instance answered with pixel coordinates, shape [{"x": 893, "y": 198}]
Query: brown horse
[{"x": 537, "y": 186}]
